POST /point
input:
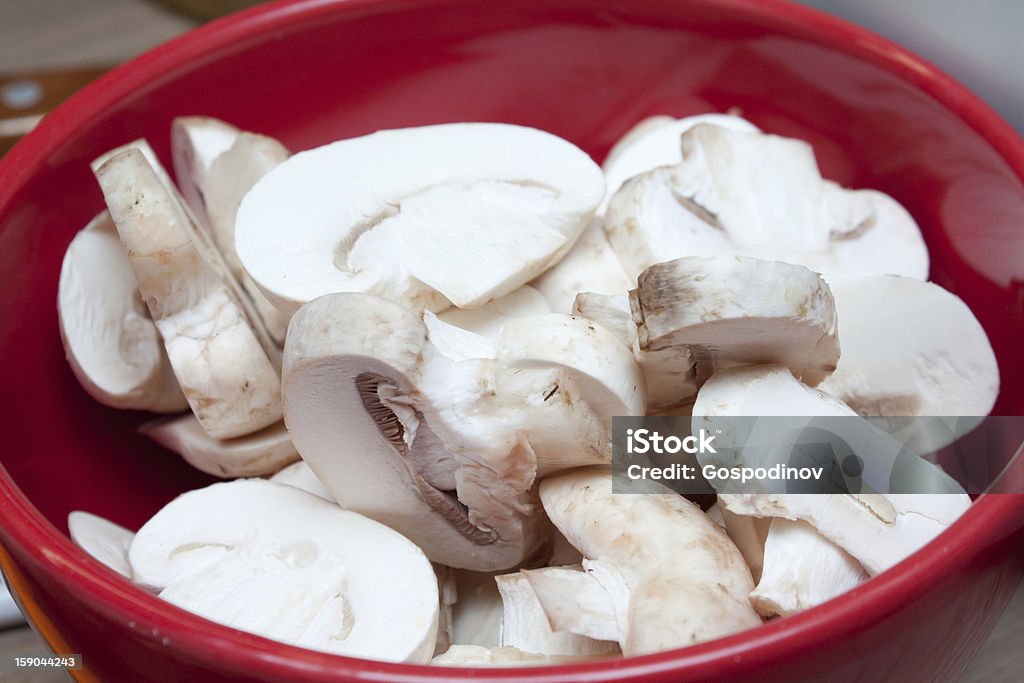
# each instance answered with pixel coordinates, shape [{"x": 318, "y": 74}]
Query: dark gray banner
[{"x": 810, "y": 454}]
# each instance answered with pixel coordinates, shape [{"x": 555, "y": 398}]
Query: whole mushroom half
[
  {"x": 279, "y": 562},
  {"x": 408, "y": 427},
  {"x": 460, "y": 213}
]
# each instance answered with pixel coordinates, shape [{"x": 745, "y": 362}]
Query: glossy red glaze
[{"x": 310, "y": 72}]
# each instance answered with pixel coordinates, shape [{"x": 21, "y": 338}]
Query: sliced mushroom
[
  {"x": 734, "y": 310},
  {"x": 299, "y": 475},
  {"x": 111, "y": 343},
  {"x": 575, "y": 602},
  {"x": 105, "y": 541},
  {"x": 473, "y": 211},
  {"x": 444, "y": 451},
  {"x": 525, "y": 626},
  {"x": 219, "y": 356},
  {"x": 668, "y": 373},
  {"x": 751, "y": 194},
  {"x": 488, "y": 320},
  {"x": 475, "y": 655},
  {"x": 273, "y": 560},
  {"x": 687, "y": 583},
  {"x": 694, "y": 316},
  {"x": 760, "y": 390},
  {"x": 801, "y": 569},
  {"x": 252, "y": 455},
  {"x": 196, "y": 141},
  {"x": 654, "y": 142},
  {"x": 590, "y": 266},
  {"x": 606, "y": 373},
  {"x": 912, "y": 348},
  {"x": 476, "y": 614},
  {"x": 216, "y": 165},
  {"x": 749, "y": 534},
  {"x": 879, "y": 531}
]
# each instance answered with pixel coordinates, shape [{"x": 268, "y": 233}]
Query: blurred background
[{"x": 50, "y": 48}]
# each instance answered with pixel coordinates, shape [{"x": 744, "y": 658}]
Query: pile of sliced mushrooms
[{"x": 403, "y": 352}]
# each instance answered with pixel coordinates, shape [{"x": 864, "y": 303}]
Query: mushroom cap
[
  {"x": 273, "y": 560},
  {"x": 111, "y": 343},
  {"x": 474, "y": 211},
  {"x": 260, "y": 453},
  {"x": 105, "y": 541},
  {"x": 224, "y": 363},
  {"x": 911, "y": 348}
]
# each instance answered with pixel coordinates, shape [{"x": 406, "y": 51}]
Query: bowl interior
[{"x": 585, "y": 70}]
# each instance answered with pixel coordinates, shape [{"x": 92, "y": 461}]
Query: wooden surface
[{"x": 37, "y": 34}]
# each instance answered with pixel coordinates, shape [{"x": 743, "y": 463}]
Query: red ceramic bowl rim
[{"x": 223, "y": 648}]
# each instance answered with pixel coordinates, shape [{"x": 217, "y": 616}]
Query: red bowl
[{"x": 310, "y": 72}]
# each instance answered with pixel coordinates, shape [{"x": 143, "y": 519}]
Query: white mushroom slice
[
  {"x": 878, "y": 531},
  {"x": 687, "y": 583},
  {"x": 593, "y": 356},
  {"x": 276, "y": 561},
  {"x": 107, "y": 542},
  {"x": 760, "y": 390},
  {"x": 475, "y": 655},
  {"x": 219, "y": 177},
  {"x": 611, "y": 311},
  {"x": 457, "y": 212},
  {"x": 299, "y": 475},
  {"x": 111, "y": 343},
  {"x": 196, "y": 141},
  {"x": 488, "y": 320},
  {"x": 590, "y": 266},
  {"x": 456, "y": 343},
  {"x": 448, "y": 593},
  {"x": 575, "y": 602},
  {"x": 444, "y": 451},
  {"x": 221, "y": 363},
  {"x": 872, "y": 528},
  {"x": 750, "y": 194},
  {"x": 476, "y": 614},
  {"x": 749, "y": 534},
  {"x": 801, "y": 569},
  {"x": 656, "y": 141},
  {"x": 668, "y": 373},
  {"x": 911, "y": 349},
  {"x": 525, "y": 626},
  {"x": 252, "y": 455},
  {"x": 728, "y": 311}
]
